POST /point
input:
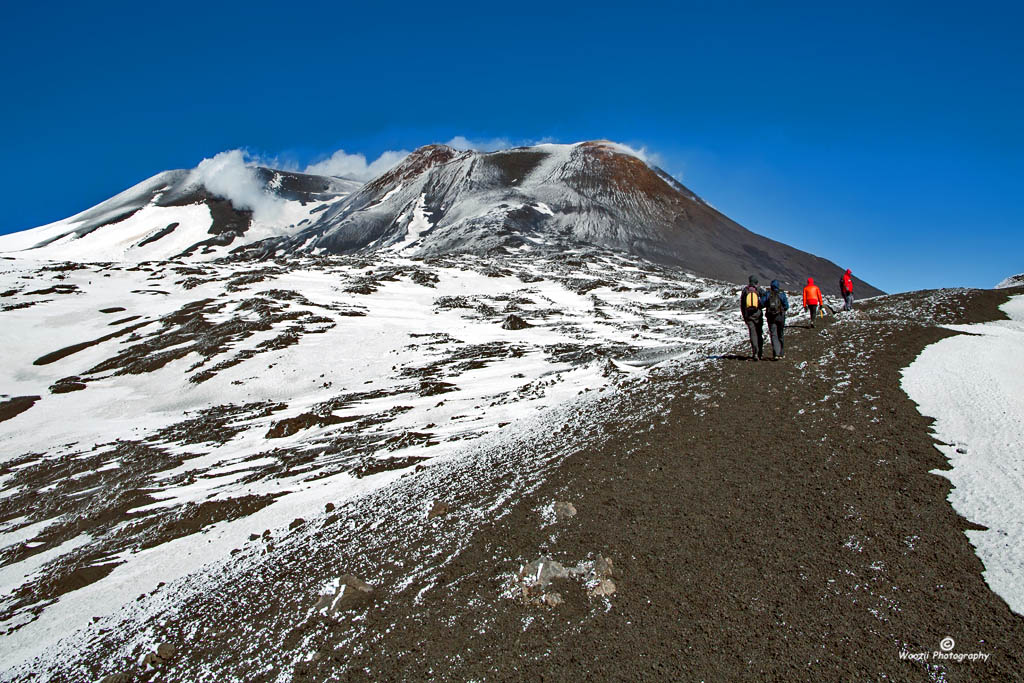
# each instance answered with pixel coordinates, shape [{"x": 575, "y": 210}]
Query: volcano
[{"x": 437, "y": 201}]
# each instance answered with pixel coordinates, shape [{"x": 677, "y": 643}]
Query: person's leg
[
  {"x": 782, "y": 335},
  {"x": 813, "y": 308},
  {"x": 754, "y": 337},
  {"x": 849, "y": 301},
  {"x": 773, "y": 332},
  {"x": 760, "y": 337}
]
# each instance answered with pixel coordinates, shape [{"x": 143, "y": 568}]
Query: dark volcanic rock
[
  {"x": 66, "y": 385},
  {"x": 514, "y": 322},
  {"x": 16, "y": 406}
]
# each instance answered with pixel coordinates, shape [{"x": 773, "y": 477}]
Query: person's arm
[{"x": 785, "y": 300}]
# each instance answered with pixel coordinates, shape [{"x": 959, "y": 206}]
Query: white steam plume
[
  {"x": 229, "y": 175},
  {"x": 354, "y": 166},
  {"x": 648, "y": 157},
  {"x": 461, "y": 142}
]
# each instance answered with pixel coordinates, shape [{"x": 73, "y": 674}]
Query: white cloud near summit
[
  {"x": 461, "y": 142},
  {"x": 231, "y": 176},
  {"x": 354, "y": 166},
  {"x": 648, "y": 157}
]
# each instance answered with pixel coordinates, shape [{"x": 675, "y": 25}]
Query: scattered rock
[
  {"x": 536, "y": 576},
  {"x": 165, "y": 651},
  {"x": 439, "y": 509},
  {"x": 352, "y": 593},
  {"x": 603, "y": 567},
  {"x": 68, "y": 384},
  {"x": 329, "y": 507},
  {"x": 564, "y": 510},
  {"x": 961, "y": 450},
  {"x": 601, "y": 587},
  {"x": 16, "y": 406},
  {"x": 296, "y": 523},
  {"x": 119, "y": 677},
  {"x": 293, "y": 425},
  {"x": 514, "y": 322},
  {"x": 552, "y": 599},
  {"x": 425, "y": 278},
  {"x": 535, "y": 579}
]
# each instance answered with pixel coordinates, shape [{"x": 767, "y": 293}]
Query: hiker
[
  {"x": 812, "y": 299},
  {"x": 752, "y": 301},
  {"x": 846, "y": 289},
  {"x": 775, "y": 310}
]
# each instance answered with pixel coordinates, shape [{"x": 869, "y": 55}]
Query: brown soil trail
[{"x": 785, "y": 527}]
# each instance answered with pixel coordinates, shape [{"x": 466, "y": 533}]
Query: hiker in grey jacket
[
  {"x": 752, "y": 301},
  {"x": 775, "y": 307}
]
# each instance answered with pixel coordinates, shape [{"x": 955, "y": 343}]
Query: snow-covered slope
[
  {"x": 175, "y": 214},
  {"x": 155, "y": 417},
  {"x": 1012, "y": 281}
]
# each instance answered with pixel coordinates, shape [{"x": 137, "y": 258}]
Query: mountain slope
[
  {"x": 440, "y": 200},
  {"x": 175, "y": 214}
]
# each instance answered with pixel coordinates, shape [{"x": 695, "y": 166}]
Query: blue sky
[{"x": 886, "y": 137}]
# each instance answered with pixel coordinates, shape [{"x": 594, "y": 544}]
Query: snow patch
[{"x": 971, "y": 384}]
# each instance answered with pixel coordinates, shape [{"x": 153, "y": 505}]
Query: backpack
[
  {"x": 751, "y": 301},
  {"x": 774, "y": 307}
]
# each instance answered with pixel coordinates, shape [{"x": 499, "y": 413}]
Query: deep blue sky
[{"x": 889, "y": 140}]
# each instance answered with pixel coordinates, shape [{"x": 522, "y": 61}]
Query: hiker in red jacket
[
  {"x": 846, "y": 289},
  {"x": 812, "y": 298}
]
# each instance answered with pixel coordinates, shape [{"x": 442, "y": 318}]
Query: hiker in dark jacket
[
  {"x": 775, "y": 308},
  {"x": 752, "y": 301}
]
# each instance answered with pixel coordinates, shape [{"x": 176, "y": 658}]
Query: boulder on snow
[
  {"x": 514, "y": 322},
  {"x": 67, "y": 385}
]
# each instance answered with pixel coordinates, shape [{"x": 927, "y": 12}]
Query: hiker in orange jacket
[
  {"x": 812, "y": 298},
  {"x": 846, "y": 289}
]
